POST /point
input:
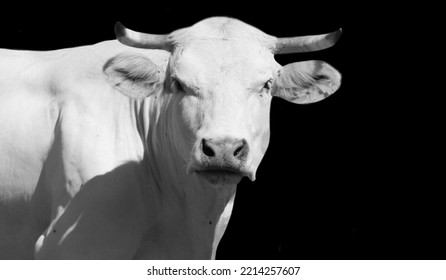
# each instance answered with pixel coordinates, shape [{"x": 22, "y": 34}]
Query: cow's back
[{"x": 27, "y": 117}]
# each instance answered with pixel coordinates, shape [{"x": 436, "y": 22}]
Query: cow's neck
[{"x": 191, "y": 213}]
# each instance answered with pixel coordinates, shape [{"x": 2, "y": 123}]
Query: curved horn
[
  {"x": 141, "y": 40},
  {"x": 306, "y": 43}
]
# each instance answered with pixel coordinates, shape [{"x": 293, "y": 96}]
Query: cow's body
[
  {"x": 87, "y": 172},
  {"x": 63, "y": 127}
]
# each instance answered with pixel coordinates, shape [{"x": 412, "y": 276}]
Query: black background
[{"x": 352, "y": 177}]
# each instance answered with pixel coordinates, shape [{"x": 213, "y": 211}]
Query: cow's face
[
  {"x": 223, "y": 94},
  {"x": 219, "y": 83}
]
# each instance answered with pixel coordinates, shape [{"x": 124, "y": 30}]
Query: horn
[
  {"x": 141, "y": 40},
  {"x": 306, "y": 43}
]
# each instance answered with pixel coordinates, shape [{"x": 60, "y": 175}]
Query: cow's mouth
[{"x": 221, "y": 175}]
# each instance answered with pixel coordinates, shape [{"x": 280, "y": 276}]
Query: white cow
[{"x": 133, "y": 148}]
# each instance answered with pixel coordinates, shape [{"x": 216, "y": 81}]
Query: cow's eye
[
  {"x": 267, "y": 85},
  {"x": 177, "y": 85}
]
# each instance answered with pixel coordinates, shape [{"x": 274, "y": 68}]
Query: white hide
[{"x": 99, "y": 144}]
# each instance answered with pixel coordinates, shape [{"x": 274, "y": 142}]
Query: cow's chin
[{"x": 220, "y": 176}]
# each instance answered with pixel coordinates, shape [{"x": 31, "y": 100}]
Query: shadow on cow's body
[
  {"x": 120, "y": 215},
  {"x": 108, "y": 209}
]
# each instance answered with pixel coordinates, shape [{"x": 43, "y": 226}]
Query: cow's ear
[
  {"x": 133, "y": 75},
  {"x": 306, "y": 82}
]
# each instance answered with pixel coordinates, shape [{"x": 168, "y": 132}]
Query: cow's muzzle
[{"x": 221, "y": 161}]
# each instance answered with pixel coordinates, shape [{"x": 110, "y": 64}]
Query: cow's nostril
[
  {"x": 207, "y": 150},
  {"x": 238, "y": 150}
]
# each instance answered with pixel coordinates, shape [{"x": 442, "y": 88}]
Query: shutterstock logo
[{"x": 202, "y": 271}]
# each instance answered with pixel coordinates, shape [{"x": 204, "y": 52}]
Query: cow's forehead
[
  {"x": 222, "y": 46},
  {"x": 206, "y": 60}
]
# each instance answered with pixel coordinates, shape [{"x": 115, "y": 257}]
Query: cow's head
[{"x": 221, "y": 78}]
